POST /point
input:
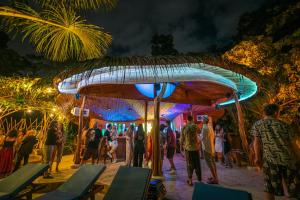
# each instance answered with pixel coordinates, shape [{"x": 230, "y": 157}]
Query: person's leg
[
  {"x": 59, "y": 152},
  {"x": 140, "y": 160},
  {"x": 214, "y": 169},
  {"x": 94, "y": 155},
  {"x": 135, "y": 158},
  {"x": 52, "y": 155},
  {"x": 291, "y": 182},
  {"x": 18, "y": 162},
  {"x": 197, "y": 165},
  {"x": 209, "y": 161},
  {"x": 272, "y": 181},
  {"x": 189, "y": 167},
  {"x": 170, "y": 155},
  {"x": 86, "y": 156},
  {"x": 26, "y": 158}
]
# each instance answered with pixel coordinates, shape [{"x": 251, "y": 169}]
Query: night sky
[{"x": 195, "y": 24}]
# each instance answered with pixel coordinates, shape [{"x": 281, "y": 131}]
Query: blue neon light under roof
[{"x": 147, "y": 89}]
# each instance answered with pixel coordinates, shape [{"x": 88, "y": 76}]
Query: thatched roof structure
[{"x": 202, "y": 81}]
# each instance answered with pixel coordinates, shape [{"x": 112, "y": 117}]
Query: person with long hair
[
  {"x": 26, "y": 148},
  {"x": 129, "y": 145},
  {"x": 139, "y": 147},
  {"x": 7, "y": 153}
]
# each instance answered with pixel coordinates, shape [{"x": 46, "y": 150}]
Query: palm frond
[
  {"x": 81, "y": 4},
  {"x": 57, "y": 32}
]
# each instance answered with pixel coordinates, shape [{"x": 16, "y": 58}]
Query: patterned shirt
[
  {"x": 275, "y": 137},
  {"x": 189, "y": 138}
]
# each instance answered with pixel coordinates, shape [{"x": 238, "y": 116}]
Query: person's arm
[{"x": 257, "y": 150}]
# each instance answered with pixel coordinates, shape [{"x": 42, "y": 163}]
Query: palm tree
[{"x": 55, "y": 30}]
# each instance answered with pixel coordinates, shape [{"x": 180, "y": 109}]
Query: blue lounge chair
[
  {"x": 130, "y": 183},
  {"x": 212, "y": 192},
  {"x": 78, "y": 186},
  {"x": 11, "y": 186}
]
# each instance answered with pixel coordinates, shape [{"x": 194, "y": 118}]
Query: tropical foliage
[
  {"x": 272, "y": 48},
  {"x": 56, "y": 31}
]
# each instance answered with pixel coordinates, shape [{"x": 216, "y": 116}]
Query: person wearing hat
[{"x": 208, "y": 146}]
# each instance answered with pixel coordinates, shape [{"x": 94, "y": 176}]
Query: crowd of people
[
  {"x": 275, "y": 145},
  {"x": 97, "y": 146},
  {"x": 15, "y": 147}
]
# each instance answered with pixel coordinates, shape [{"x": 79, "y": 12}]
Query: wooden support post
[
  {"x": 146, "y": 116},
  {"x": 79, "y": 135},
  {"x": 156, "y": 164},
  {"x": 241, "y": 125}
]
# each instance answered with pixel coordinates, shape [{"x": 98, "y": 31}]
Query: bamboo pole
[
  {"x": 146, "y": 116},
  {"x": 241, "y": 124},
  {"x": 156, "y": 164},
  {"x": 80, "y": 125}
]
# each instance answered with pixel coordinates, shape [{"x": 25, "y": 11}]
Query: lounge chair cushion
[
  {"x": 130, "y": 183},
  {"x": 17, "y": 181},
  {"x": 78, "y": 185},
  {"x": 211, "y": 192}
]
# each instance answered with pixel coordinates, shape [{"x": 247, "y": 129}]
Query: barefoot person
[
  {"x": 207, "y": 138},
  {"x": 191, "y": 146},
  {"x": 274, "y": 140}
]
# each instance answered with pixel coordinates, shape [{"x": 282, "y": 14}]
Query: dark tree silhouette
[{"x": 162, "y": 45}]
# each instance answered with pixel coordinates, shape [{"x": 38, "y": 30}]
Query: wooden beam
[
  {"x": 146, "y": 116},
  {"x": 156, "y": 164},
  {"x": 79, "y": 135},
  {"x": 241, "y": 125}
]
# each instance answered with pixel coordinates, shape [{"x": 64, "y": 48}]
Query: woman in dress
[
  {"x": 7, "y": 153},
  {"x": 219, "y": 136},
  {"x": 129, "y": 145},
  {"x": 114, "y": 143}
]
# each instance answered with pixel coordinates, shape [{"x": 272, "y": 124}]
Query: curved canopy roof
[{"x": 196, "y": 83}]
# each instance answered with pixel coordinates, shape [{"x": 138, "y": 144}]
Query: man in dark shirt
[
  {"x": 107, "y": 133},
  {"x": 26, "y": 148},
  {"x": 93, "y": 137}
]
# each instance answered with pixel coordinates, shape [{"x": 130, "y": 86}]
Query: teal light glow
[
  {"x": 247, "y": 89},
  {"x": 147, "y": 89}
]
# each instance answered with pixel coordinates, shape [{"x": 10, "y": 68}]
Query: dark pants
[
  {"x": 193, "y": 163},
  {"x": 138, "y": 159},
  {"x": 20, "y": 157}
]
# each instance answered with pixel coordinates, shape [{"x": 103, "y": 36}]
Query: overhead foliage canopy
[
  {"x": 56, "y": 31},
  {"x": 273, "y": 49},
  {"x": 27, "y": 95}
]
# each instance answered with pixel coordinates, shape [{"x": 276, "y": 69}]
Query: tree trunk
[{"x": 79, "y": 135}]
